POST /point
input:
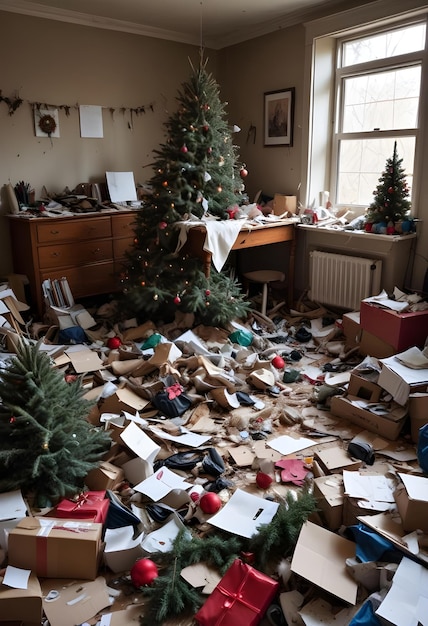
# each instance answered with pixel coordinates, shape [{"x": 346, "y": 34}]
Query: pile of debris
[{"x": 213, "y": 431}]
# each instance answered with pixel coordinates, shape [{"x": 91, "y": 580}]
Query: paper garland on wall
[{"x": 46, "y": 122}]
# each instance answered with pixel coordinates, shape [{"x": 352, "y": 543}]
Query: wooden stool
[{"x": 265, "y": 277}]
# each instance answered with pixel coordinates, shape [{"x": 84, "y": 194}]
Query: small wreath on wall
[{"x": 47, "y": 124}]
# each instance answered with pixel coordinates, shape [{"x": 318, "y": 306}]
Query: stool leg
[{"x": 264, "y": 298}]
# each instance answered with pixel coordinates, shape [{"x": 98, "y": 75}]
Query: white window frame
[
  {"x": 319, "y": 153},
  {"x": 341, "y": 73}
]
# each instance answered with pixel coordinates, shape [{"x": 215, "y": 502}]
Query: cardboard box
[
  {"x": 365, "y": 389},
  {"x": 352, "y": 509},
  {"x": 351, "y": 329},
  {"x": 105, "y": 476},
  {"x": 123, "y": 400},
  {"x": 22, "y": 605},
  {"x": 388, "y": 426},
  {"x": 328, "y": 491},
  {"x": 78, "y": 601},
  {"x": 241, "y": 597},
  {"x": 336, "y": 459},
  {"x": 400, "y": 381},
  {"x": 370, "y": 345},
  {"x": 400, "y": 330},
  {"x": 412, "y": 502},
  {"x": 418, "y": 413},
  {"x": 284, "y": 204},
  {"x": 56, "y": 548}
]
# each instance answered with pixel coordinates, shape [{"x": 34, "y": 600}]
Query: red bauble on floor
[{"x": 143, "y": 572}]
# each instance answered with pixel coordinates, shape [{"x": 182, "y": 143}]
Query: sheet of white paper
[
  {"x": 383, "y": 300},
  {"x": 120, "y": 539},
  {"x": 406, "y": 602},
  {"x": 287, "y": 445},
  {"x": 140, "y": 443},
  {"x": 16, "y": 577},
  {"x": 161, "y": 540},
  {"x": 416, "y": 486},
  {"x": 161, "y": 483},
  {"x": 12, "y": 505},
  {"x": 91, "y": 121},
  {"x": 244, "y": 513},
  {"x": 372, "y": 488},
  {"x": 186, "y": 438},
  {"x": 121, "y": 186}
]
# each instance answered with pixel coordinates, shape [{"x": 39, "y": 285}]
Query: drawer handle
[
  {"x": 54, "y": 232},
  {"x": 96, "y": 250},
  {"x": 56, "y": 254}
]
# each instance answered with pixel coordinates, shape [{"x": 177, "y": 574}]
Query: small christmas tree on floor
[
  {"x": 390, "y": 204},
  {"x": 195, "y": 173},
  {"x": 47, "y": 446}
]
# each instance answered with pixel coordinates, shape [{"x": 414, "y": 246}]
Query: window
[{"x": 376, "y": 102}]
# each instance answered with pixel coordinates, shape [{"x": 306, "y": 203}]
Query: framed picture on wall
[{"x": 279, "y": 117}]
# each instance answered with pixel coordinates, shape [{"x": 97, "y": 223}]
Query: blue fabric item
[
  {"x": 365, "y": 616},
  {"x": 422, "y": 449},
  {"x": 72, "y": 335},
  {"x": 370, "y": 545}
]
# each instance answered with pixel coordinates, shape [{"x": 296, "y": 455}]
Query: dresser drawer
[
  {"x": 87, "y": 281},
  {"x": 120, "y": 246},
  {"x": 75, "y": 230},
  {"x": 78, "y": 254},
  {"x": 123, "y": 225}
]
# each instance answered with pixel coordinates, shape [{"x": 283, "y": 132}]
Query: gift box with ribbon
[
  {"x": 91, "y": 505},
  {"x": 242, "y": 597}
]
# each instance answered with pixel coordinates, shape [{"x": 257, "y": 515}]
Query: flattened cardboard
[
  {"x": 320, "y": 557},
  {"x": 335, "y": 459},
  {"x": 78, "y": 600},
  {"x": 22, "y": 605},
  {"x": 128, "y": 617},
  {"x": 57, "y": 548},
  {"x": 124, "y": 400}
]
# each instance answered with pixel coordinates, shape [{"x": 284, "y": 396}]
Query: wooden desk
[{"x": 249, "y": 237}]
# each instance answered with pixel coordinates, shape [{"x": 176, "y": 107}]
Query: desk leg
[
  {"x": 207, "y": 263},
  {"x": 291, "y": 271}
]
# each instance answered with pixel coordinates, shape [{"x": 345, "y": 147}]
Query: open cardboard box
[
  {"x": 388, "y": 426},
  {"x": 412, "y": 502},
  {"x": 328, "y": 491},
  {"x": 400, "y": 330},
  {"x": 23, "y": 606}
]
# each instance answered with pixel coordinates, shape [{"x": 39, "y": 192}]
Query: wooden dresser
[{"x": 88, "y": 249}]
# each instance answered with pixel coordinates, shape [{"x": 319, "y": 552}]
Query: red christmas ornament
[
  {"x": 278, "y": 362},
  {"x": 184, "y": 149},
  {"x": 368, "y": 227},
  {"x": 209, "y": 150},
  {"x": 243, "y": 172},
  {"x": 143, "y": 572},
  {"x": 194, "y": 496},
  {"x": 113, "y": 343},
  {"x": 177, "y": 300},
  {"x": 390, "y": 189},
  {"x": 207, "y": 292},
  {"x": 263, "y": 480},
  {"x": 162, "y": 225},
  {"x": 205, "y": 128},
  {"x": 210, "y": 503}
]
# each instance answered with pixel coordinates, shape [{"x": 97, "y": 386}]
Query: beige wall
[
  {"x": 57, "y": 63},
  {"x": 61, "y": 63}
]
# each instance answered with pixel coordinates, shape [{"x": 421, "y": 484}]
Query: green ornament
[
  {"x": 152, "y": 341},
  {"x": 241, "y": 337}
]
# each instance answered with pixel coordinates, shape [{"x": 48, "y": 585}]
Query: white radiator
[{"x": 341, "y": 280}]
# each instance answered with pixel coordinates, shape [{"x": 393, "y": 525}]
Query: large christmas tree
[
  {"x": 195, "y": 173},
  {"x": 47, "y": 446},
  {"x": 390, "y": 204}
]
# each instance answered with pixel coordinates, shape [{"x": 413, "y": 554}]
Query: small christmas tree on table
[
  {"x": 195, "y": 172},
  {"x": 390, "y": 205},
  {"x": 47, "y": 446}
]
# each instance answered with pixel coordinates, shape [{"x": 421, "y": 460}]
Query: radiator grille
[{"x": 341, "y": 280}]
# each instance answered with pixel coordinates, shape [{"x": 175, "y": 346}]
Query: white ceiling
[{"x": 211, "y": 23}]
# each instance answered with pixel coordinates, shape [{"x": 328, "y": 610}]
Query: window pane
[
  {"x": 361, "y": 163},
  {"x": 384, "y": 100},
  {"x": 384, "y": 45}
]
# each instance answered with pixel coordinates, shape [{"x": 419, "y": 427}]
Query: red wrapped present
[
  {"x": 241, "y": 598},
  {"x": 91, "y": 505}
]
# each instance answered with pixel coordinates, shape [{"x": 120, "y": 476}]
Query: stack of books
[{"x": 58, "y": 293}]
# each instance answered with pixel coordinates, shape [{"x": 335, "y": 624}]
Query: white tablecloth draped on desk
[{"x": 220, "y": 237}]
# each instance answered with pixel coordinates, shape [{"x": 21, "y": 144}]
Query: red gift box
[
  {"x": 91, "y": 505},
  {"x": 241, "y": 598}
]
